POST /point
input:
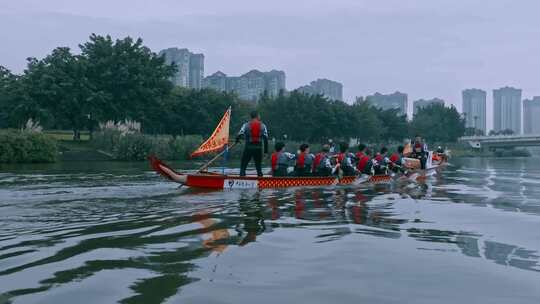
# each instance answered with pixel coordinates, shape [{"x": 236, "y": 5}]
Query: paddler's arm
[
  {"x": 265, "y": 139},
  {"x": 241, "y": 133}
]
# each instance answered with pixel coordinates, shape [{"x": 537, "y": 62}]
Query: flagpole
[
  {"x": 205, "y": 166},
  {"x": 225, "y": 159}
]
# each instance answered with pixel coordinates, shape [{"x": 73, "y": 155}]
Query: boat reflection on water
[{"x": 63, "y": 233}]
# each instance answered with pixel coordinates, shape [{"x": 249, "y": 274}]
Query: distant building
[
  {"x": 249, "y": 86},
  {"x": 395, "y": 100},
  {"x": 474, "y": 108},
  {"x": 531, "y": 115},
  {"x": 190, "y": 67},
  {"x": 422, "y": 103},
  {"x": 328, "y": 88},
  {"x": 507, "y": 109},
  {"x": 216, "y": 81},
  {"x": 196, "y": 71}
]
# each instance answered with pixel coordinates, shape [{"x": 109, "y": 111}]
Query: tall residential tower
[
  {"x": 474, "y": 109},
  {"x": 531, "y": 115},
  {"x": 248, "y": 86},
  {"x": 507, "y": 109},
  {"x": 395, "y": 100},
  {"x": 328, "y": 88},
  {"x": 190, "y": 67}
]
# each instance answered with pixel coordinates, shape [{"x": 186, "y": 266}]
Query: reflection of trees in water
[{"x": 333, "y": 213}]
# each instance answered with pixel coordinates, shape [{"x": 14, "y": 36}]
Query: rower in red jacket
[
  {"x": 362, "y": 159},
  {"x": 321, "y": 164},
  {"x": 381, "y": 162},
  {"x": 345, "y": 160},
  {"x": 304, "y": 161},
  {"x": 281, "y": 160},
  {"x": 396, "y": 160}
]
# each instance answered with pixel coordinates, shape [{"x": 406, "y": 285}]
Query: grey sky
[{"x": 426, "y": 48}]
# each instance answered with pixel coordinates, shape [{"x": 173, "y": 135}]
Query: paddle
[{"x": 205, "y": 166}]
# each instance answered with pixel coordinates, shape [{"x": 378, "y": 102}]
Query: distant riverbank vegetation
[
  {"x": 121, "y": 80},
  {"x": 18, "y": 146}
]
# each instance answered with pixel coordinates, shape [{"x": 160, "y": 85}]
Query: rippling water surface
[{"x": 106, "y": 233}]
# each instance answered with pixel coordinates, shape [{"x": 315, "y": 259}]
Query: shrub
[
  {"x": 26, "y": 147},
  {"x": 137, "y": 146}
]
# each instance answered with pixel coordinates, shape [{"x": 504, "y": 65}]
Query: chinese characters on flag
[{"x": 219, "y": 138}]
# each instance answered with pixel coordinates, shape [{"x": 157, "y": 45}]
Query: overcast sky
[{"x": 426, "y": 48}]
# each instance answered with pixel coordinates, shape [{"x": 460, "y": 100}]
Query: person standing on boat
[
  {"x": 420, "y": 151},
  {"x": 304, "y": 161},
  {"x": 256, "y": 136},
  {"x": 321, "y": 164},
  {"x": 281, "y": 160}
]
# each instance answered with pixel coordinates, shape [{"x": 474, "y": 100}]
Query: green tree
[
  {"x": 129, "y": 81},
  {"x": 438, "y": 123},
  {"x": 58, "y": 83}
]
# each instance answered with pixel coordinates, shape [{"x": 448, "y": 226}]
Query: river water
[{"x": 116, "y": 232}]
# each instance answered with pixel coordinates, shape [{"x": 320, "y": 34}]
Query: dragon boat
[{"x": 218, "y": 141}]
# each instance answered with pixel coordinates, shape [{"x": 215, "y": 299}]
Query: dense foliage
[
  {"x": 115, "y": 80},
  {"x": 109, "y": 80},
  {"x": 26, "y": 147},
  {"x": 438, "y": 123}
]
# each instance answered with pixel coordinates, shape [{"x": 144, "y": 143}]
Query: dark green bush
[
  {"x": 26, "y": 147},
  {"x": 137, "y": 146}
]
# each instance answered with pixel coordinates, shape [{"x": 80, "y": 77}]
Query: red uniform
[
  {"x": 395, "y": 157},
  {"x": 275, "y": 158},
  {"x": 255, "y": 130},
  {"x": 362, "y": 161}
]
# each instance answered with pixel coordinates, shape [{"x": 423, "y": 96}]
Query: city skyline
[{"x": 444, "y": 46}]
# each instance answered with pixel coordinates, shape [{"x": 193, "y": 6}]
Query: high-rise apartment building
[
  {"x": 507, "y": 109},
  {"x": 395, "y": 100},
  {"x": 190, "y": 67},
  {"x": 474, "y": 109},
  {"x": 250, "y": 86},
  {"x": 531, "y": 115},
  {"x": 328, "y": 88}
]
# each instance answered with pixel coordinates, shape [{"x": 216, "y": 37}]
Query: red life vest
[
  {"x": 300, "y": 162},
  {"x": 275, "y": 159},
  {"x": 255, "y": 130},
  {"x": 395, "y": 157},
  {"x": 340, "y": 157},
  {"x": 379, "y": 158},
  {"x": 362, "y": 161},
  {"x": 317, "y": 161},
  {"x": 418, "y": 147}
]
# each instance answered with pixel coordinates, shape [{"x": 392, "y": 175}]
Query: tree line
[{"x": 115, "y": 80}]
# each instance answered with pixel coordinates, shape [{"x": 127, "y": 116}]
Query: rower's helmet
[
  {"x": 343, "y": 147},
  {"x": 279, "y": 146}
]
